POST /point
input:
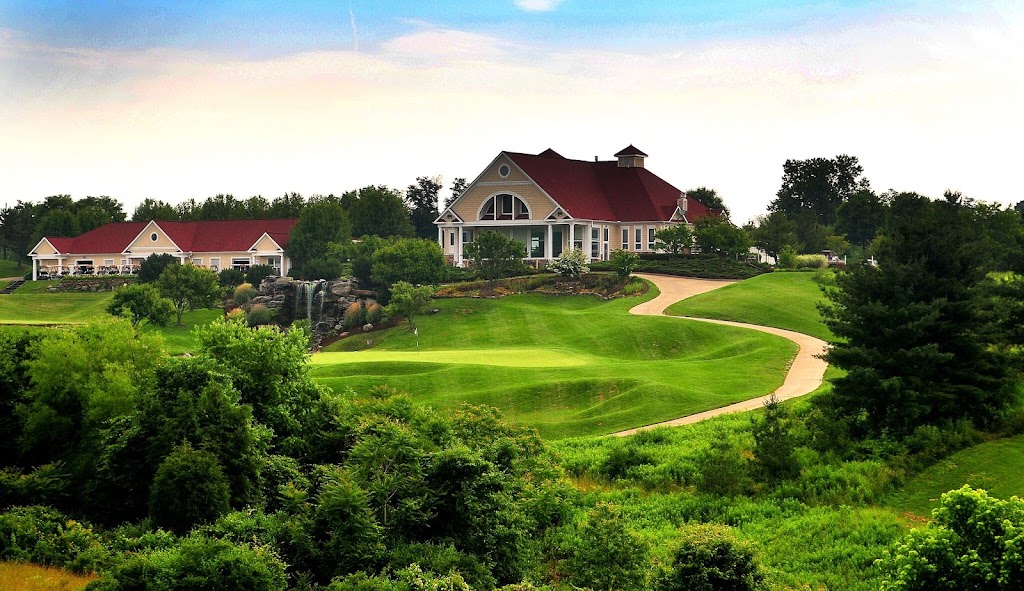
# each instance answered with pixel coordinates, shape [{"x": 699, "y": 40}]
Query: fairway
[
  {"x": 567, "y": 366},
  {"x": 783, "y": 300},
  {"x": 994, "y": 466}
]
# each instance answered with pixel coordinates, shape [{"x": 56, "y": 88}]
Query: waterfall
[{"x": 305, "y": 294}]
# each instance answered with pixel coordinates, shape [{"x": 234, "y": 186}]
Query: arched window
[{"x": 504, "y": 207}]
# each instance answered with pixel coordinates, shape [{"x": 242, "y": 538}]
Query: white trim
[
  {"x": 33, "y": 253},
  {"x": 512, "y": 163},
  {"x": 480, "y": 210},
  {"x": 448, "y": 212},
  {"x": 143, "y": 232},
  {"x": 504, "y": 183},
  {"x": 253, "y": 247}
]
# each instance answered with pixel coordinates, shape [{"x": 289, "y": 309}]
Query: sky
[{"x": 187, "y": 99}]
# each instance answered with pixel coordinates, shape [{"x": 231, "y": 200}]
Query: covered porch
[{"x": 542, "y": 242}]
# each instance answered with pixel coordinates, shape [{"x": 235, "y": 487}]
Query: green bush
[
  {"x": 787, "y": 257},
  {"x": 606, "y": 553},
  {"x": 257, "y": 273},
  {"x": 231, "y": 277},
  {"x": 624, "y": 262},
  {"x": 635, "y": 286},
  {"x": 315, "y": 269},
  {"x": 243, "y": 293},
  {"x": 43, "y": 535},
  {"x": 199, "y": 562},
  {"x": 189, "y": 489},
  {"x": 712, "y": 558},
  {"x": 260, "y": 315}
]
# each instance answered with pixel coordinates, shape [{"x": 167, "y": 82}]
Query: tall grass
[{"x": 15, "y": 576}]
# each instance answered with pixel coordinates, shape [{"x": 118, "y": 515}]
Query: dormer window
[{"x": 504, "y": 207}]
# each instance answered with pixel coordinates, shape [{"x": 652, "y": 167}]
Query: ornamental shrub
[
  {"x": 354, "y": 315},
  {"x": 787, "y": 257},
  {"x": 260, "y": 315},
  {"x": 374, "y": 312},
  {"x": 153, "y": 266},
  {"x": 231, "y": 277},
  {"x": 243, "y": 293},
  {"x": 570, "y": 264},
  {"x": 257, "y": 273},
  {"x": 624, "y": 262},
  {"x": 811, "y": 261}
]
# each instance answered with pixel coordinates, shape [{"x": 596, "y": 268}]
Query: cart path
[{"x": 805, "y": 374}]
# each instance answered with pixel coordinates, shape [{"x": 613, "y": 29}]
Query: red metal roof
[
  {"x": 204, "y": 236},
  {"x": 605, "y": 191}
]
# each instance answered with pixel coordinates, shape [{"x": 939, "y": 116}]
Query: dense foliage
[
  {"x": 141, "y": 301},
  {"x": 911, "y": 340},
  {"x": 495, "y": 255}
]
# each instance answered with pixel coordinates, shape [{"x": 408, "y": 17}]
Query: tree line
[{"x": 409, "y": 213}]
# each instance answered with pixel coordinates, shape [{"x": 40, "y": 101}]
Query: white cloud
[{"x": 537, "y": 5}]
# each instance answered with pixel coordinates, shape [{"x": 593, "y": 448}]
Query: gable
[
  {"x": 152, "y": 238},
  {"x": 266, "y": 244},
  {"x": 491, "y": 182},
  {"x": 44, "y": 247}
]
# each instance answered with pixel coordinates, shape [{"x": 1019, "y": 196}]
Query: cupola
[{"x": 631, "y": 157}]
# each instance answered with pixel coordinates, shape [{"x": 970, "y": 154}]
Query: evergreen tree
[
  {"x": 908, "y": 334},
  {"x": 422, "y": 200}
]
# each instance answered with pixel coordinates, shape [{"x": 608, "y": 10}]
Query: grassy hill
[
  {"x": 16, "y": 576},
  {"x": 9, "y": 268},
  {"x": 567, "y": 366},
  {"x": 782, "y": 300},
  {"x": 994, "y": 466}
]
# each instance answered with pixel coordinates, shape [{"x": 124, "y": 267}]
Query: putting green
[{"x": 496, "y": 357}]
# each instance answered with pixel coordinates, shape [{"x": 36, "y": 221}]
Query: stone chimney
[
  {"x": 630, "y": 157},
  {"x": 682, "y": 203}
]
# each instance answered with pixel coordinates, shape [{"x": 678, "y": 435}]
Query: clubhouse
[
  {"x": 551, "y": 203},
  {"x": 120, "y": 248}
]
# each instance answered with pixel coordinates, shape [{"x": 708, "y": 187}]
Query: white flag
[{"x": 416, "y": 331}]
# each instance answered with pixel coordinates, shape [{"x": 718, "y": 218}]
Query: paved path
[{"x": 805, "y": 372}]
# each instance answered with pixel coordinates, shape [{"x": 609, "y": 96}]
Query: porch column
[
  {"x": 35, "y": 269},
  {"x": 458, "y": 247},
  {"x": 440, "y": 239},
  {"x": 547, "y": 243}
]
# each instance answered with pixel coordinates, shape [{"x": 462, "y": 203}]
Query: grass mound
[
  {"x": 567, "y": 366},
  {"x": 994, "y": 466},
  {"x": 781, "y": 300}
]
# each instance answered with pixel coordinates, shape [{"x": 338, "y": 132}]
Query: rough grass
[
  {"x": 782, "y": 300},
  {"x": 9, "y": 268},
  {"x": 567, "y": 366},
  {"x": 994, "y": 466},
  {"x": 15, "y": 576}
]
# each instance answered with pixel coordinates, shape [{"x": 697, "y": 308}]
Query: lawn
[
  {"x": 179, "y": 339},
  {"x": 10, "y": 268},
  {"x": 16, "y": 576},
  {"x": 568, "y": 366},
  {"x": 783, "y": 300},
  {"x": 51, "y": 308},
  {"x": 994, "y": 466}
]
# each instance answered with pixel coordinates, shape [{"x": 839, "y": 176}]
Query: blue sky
[{"x": 179, "y": 100}]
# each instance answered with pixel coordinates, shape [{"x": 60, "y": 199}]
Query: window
[
  {"x": 452, "y": 234},
  {"x": 638, "y": 234},
  {"x": 504, "y": 207},
  {"x": 503, "y": 170},
  {"x": 606, "y": 233},
  {"x": 215, "y": 264},
  {"x": 625, "y": 238},
  {"x": 650, "y": 237},
  {"x": 595, "y": 243},
  {"x": 467, "y": 236},
  {"x": 240, "y": 264},
  {"x": 537, "y": 238},
  {"x": 198, "y": 261},
  {"x": 108, "y": 262}
]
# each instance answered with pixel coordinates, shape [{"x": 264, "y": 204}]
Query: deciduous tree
[
  {"x": 379, "y": 211},
  {"x": 188, "y": 287},
  {"x": 319, "y": 224},
  {"x": 141, "y": 301},
  {"x": 674, "y": 239},
  {"x": 422, "y": 199}
]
